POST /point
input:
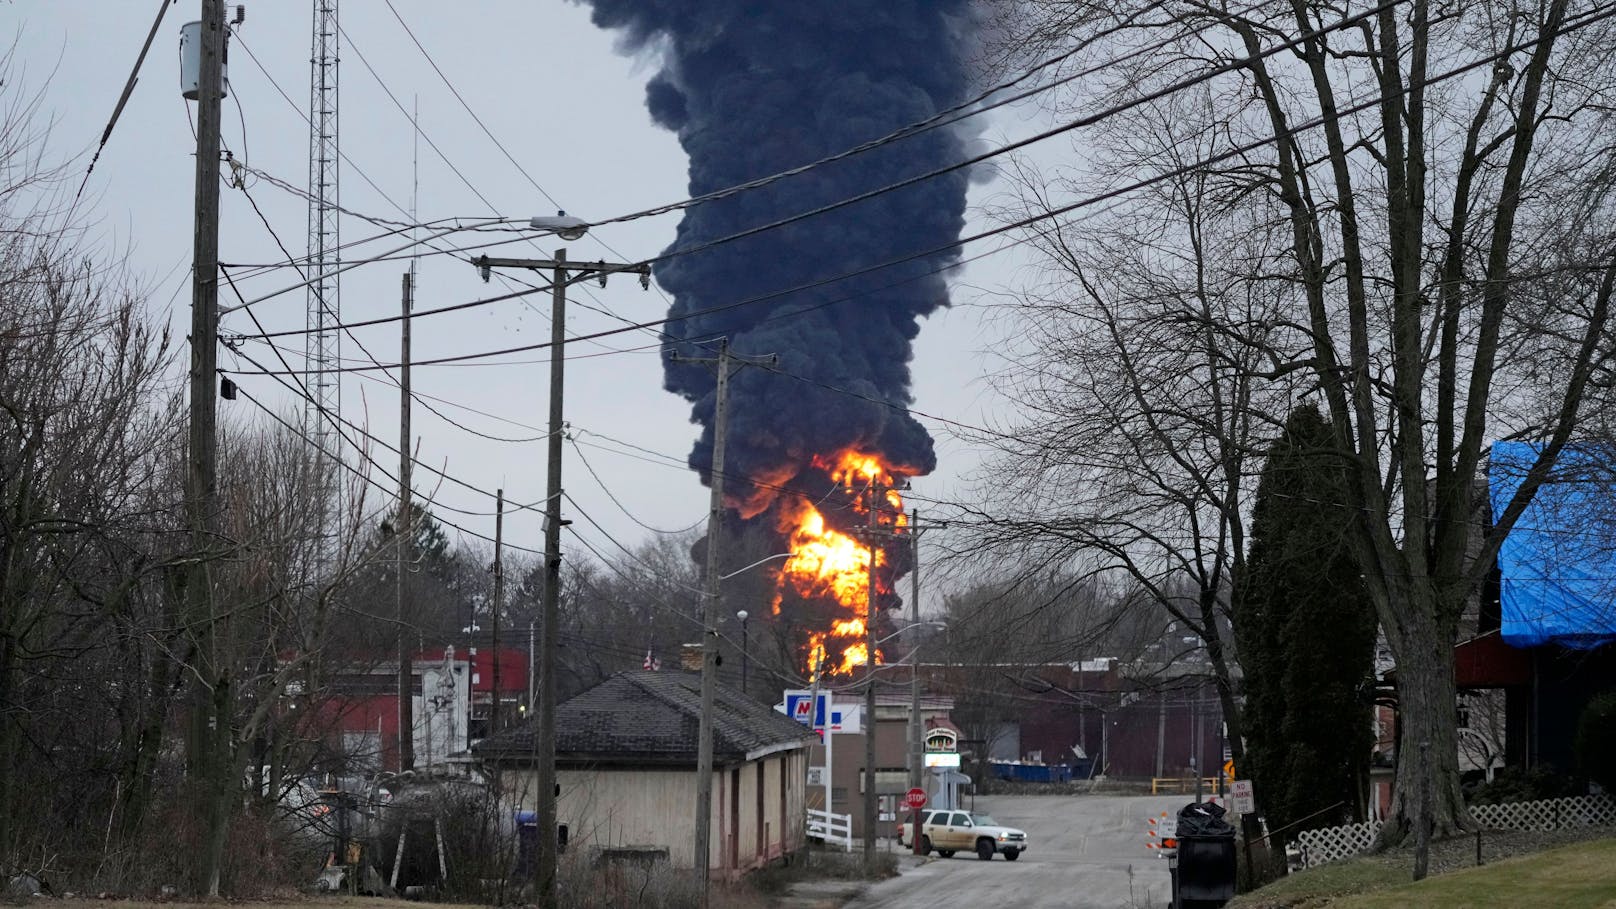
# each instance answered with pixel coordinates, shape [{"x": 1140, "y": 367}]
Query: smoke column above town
[{"x": 752, "y": 89}]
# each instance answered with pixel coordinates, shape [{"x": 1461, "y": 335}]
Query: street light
[
  {"x": 563, "y": 225},
  {"x": 778, "y": 555},
  {"x": 909, "y": 627}
]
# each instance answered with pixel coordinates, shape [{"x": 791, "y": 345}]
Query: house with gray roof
[{"x": 626, "y": 765}]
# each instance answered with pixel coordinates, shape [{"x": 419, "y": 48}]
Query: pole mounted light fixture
[{"x": 563, "y": 225}]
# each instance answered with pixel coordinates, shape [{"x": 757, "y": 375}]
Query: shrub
[
  {"x": 1513, "y": 784},
  {"x": 1596, "y": 741}
]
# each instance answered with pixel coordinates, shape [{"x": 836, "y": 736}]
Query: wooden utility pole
[
  {"x": 211, "y": 708},
  {"x": 499, "y": 603},
  {"x": 709, "y": 628},
  {"x": 546, "y": 864},
  {"x": 710, "y": 600},
  {"x": 877, "y": 495},
  {"x": 403, "y": 539},
  {"x": 916, "y": 741},
  {"x": 544, "y": 737}
]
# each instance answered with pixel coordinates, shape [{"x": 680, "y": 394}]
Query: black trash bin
[{"x": 1206, "y": 862}]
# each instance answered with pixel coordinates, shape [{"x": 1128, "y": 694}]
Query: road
[{"x": 1086, "y": 851}]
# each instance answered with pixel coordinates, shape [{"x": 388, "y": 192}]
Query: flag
[{"x": 652, "y": 664}]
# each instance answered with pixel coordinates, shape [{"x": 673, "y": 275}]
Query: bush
[
  {"x": 1513, "y": 784},
  {"x": 1596, "y": 741}
]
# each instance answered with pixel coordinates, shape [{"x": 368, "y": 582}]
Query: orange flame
[{"x": 826, "y": 564}]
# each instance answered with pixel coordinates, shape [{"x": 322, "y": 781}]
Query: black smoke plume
[{"x": 754, "y": 87}]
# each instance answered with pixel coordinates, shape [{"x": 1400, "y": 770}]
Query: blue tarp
[{"x": 1558, "y": 564}]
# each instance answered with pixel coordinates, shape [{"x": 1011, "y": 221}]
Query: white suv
[{"x": 947, "y": 832}]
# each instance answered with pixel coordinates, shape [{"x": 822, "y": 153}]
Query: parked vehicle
[{"x": 947, "y": 832}]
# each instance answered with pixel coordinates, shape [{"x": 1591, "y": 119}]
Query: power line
[
  {"x": 1078, "y": 123},
  {"x": 340, "y": 423},
  {"x": 971, "y": 107},
  {"x": 374, "y": 483},
  {"x": 968, "y": 162},
  {"x": 615, "y": 501},
  {"x": 1057, "y": 212}
]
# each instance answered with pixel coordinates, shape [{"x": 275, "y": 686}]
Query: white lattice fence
[
  {"x": 1548, "y": 814},
  {"x": 1327, "y": 844}
]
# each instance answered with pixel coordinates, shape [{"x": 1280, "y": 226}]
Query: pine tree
[{"x": 1306, "y": 636}]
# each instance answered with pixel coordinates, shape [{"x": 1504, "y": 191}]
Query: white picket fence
[
  {"x": 1327, "y": 844},
  {"x": 831, "y": 828}
]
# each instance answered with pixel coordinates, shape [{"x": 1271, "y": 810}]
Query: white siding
[{"x": 652, "y": 807}]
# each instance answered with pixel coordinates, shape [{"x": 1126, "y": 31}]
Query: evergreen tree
[{"x": 1306, "y": 636}]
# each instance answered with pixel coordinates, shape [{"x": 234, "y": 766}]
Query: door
[{"x": 958, "y": 831}]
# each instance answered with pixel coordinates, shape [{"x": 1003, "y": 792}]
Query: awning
[{"x": 1488, "y": 662}]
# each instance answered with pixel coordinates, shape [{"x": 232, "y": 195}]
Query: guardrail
[
  {"x": 1172, "y": 784},
  {"x": 831, "y": 828}
]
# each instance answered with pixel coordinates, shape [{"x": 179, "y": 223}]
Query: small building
[
  {"x": 355, "y": 714},
  {"x": 626, "y": 765},
  {"x": 893, "y": 711}
]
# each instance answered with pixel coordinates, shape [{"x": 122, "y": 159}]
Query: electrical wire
[
  {"x": 1058, "y": 212},
  {"x": 618, "y": 502}
]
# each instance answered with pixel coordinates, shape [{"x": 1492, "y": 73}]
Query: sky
[{"x": 561, "y": 99}]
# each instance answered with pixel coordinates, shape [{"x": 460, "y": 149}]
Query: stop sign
[{"x": 915, "y": 798}]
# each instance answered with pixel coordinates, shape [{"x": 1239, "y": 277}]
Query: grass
[{"x": 1582, "y": 876}]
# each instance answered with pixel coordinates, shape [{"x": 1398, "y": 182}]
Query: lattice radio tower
[{"x": 324, "y": 309}]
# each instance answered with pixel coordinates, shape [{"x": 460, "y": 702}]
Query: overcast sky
[{"x": 556, "y": 93}]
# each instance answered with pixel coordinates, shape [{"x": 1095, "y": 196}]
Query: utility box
[{"x": 191, "y": 62}]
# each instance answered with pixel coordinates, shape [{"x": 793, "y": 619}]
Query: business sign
[
  {"x": 801, "y": 706},
  {"x": 1242, "y": 799},
  {"x": 816, "y": 776},
  {"x": 942, "y": 758}
]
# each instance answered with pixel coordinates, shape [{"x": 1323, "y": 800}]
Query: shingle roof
[{"x": 652, "y": 717}]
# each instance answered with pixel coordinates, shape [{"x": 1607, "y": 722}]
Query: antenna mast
[{"x": 324, "y": 309}]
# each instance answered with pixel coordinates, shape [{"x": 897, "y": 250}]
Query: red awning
[{"x": 1488, "y": 662}]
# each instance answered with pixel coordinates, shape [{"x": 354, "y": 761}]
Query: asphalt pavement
[{"x": 1086, "y": 851}]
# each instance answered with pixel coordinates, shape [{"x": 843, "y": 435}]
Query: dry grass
[
  {"x": 1571, "y": 877},
  {"x": 1580, "y": 876}
]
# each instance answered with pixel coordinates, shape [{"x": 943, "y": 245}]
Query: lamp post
[
  {"x": 563, "y": 274},
  {"x": 742, "y": 615}
]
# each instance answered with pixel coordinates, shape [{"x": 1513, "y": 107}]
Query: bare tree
[
  {"x": 1137, "y": 363},
  {"x": 1435, "y": 182}
]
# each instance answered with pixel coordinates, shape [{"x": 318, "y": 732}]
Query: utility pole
[
  {"x": 916, "y": 743},
  {"x": 201, "y": 475},
  {"x": 499, "y": 603},
  {"x": 544, "y": 866},
  {"x": 406, "y": 668},
  {"x": 709, "y": 618},
  {"x": 877, "y": 495},
  {"x": 1161, "y": 730}
]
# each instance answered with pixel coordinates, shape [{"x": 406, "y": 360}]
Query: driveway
[{"x": 1086, "y": 851}]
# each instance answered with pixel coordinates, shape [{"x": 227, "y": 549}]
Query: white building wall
[{"x": 655, "y": 808}]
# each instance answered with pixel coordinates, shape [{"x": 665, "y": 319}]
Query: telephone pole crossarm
[
  {"x": 564, "y": 273},
  {"x": 580, "y": 271}
]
